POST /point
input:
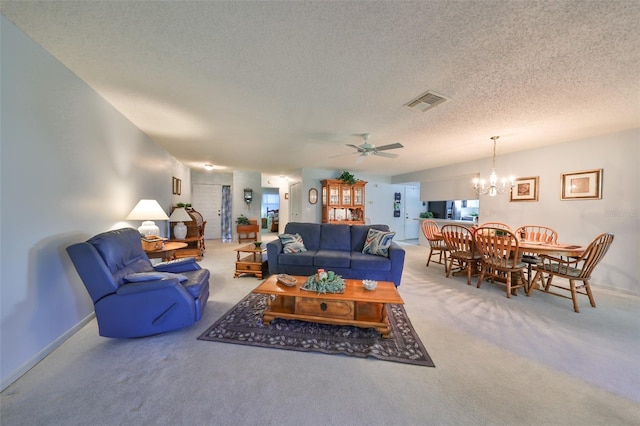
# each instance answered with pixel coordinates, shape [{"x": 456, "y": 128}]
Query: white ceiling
[{"x": 275, "y": 86}]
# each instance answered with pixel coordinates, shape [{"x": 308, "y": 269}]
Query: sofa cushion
[
  {"x": 310, "y": 233},
  {"x": 150, "y": 276},
  {"x": 297, "y": 259},
  {"x": 335, "y": 237},
  {"x": 122, "y": 249},
  {"x": 378, "y": 242},
  {"x": 328, "y": 259},
  {"x": 359, "y": 235},
  {"x": 292, "y": 243},
  {"x": 369, "y": 262}
]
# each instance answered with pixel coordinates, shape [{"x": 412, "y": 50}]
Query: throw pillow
[
  {"x": 150, "y": 276},
  {"x": 292, "y": 243},
  {"x": 378, "y": 242}
]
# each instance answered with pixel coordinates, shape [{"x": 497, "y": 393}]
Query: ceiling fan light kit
[{"x": 367, "y": 149}]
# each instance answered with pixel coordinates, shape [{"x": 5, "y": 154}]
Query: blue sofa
[
  {"x": 335, "y": 247},
  {"x": 131, "y": 297}
]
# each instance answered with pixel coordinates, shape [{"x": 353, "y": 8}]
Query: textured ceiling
[{"x": 275, "y": 86}]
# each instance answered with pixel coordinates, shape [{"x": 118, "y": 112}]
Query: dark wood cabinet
[{"x": 195, "y": 236}]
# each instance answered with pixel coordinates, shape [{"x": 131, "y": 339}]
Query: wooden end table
[
  {"x": 254, "y": 263},
  {"x": 167, "y": 252},
  {"x": 356, "y": 306}
]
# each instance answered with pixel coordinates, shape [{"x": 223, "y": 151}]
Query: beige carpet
[{"x": 518, "y": 361}]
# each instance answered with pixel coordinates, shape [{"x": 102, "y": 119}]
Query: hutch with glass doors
[{"x": 343, "y": 203}]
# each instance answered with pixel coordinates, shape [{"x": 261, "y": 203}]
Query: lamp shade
[
  {"x": 180, "y": 215},
  {"x": 147, "y": 210}
]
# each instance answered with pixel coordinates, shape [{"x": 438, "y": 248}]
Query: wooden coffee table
[{"x": 356, "y": 306}]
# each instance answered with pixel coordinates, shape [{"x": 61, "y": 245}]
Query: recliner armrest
[
  {"x": 145, "y": 286},
  {"x": 178, "y": 265}
]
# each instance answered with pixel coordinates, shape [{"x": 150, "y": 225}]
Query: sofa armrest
[
  {"x": 274, "y": 248},
  {"x": 146, "y": 286},
  {"x": 396, "y": 255},
  {"x": 178, "y": 265}
]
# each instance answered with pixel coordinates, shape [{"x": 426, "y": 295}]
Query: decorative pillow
[
  {"x": 150, "y": 276},
  {"x": 292, "y": 243},
  {"x": 378, "y": 242}
]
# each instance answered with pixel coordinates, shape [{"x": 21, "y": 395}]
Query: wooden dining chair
[
  {"x": 499, "y": 225},
  {"x": 459, "y": 240},
  {"x": 573, "y": 269},
  {"x": 437, "y": 245},
  {"x": 501, "y": 258},
  {"x": 535, "y": 233}
]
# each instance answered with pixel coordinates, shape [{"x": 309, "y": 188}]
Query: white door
[
  {"x": 207, "y": 199},
  {"x": 295, "y": 202},
  {"x": 412, "y": 209}
]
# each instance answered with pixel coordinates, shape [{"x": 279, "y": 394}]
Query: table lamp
[
  {"x": 148, "y": 211},
  {"x": 180, "y": 215}
]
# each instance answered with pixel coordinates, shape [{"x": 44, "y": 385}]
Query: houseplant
[
  {"x": 347, "y": 178},
  {"x": 242, "y": 220}
]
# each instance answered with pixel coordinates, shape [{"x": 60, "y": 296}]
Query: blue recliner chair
[{"x": 133, "y": 298}]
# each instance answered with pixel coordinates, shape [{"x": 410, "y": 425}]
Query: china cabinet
[{"x": 343, "y": 203}]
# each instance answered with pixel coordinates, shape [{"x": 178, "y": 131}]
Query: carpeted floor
[
  {"x": 519, "y": 361},
  {"x": 243, "y": 325}
]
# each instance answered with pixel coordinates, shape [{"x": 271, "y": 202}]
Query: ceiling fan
[{"x": 367, "y": 149}]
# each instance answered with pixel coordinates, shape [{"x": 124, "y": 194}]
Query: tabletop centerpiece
[{"x": 324, "y": 282}]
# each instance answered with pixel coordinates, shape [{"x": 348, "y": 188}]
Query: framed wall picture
[
  {"x": 525, "y": 189},
  {"x": 176, "y": 186},
  {"x": 313, "y": 196},
  {"x": 585, "y": 185}
]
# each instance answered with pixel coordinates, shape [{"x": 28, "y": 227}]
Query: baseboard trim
[{"x": 8, "y": 381}]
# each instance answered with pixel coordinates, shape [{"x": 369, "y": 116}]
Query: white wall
[
  {"x": 242, "y": 180},
  {"x": 71, "y": 167},
  {"x": 576, "y": 221}
]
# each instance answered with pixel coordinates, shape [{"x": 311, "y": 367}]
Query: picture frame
[
  {"x": 313, "y": 196},
  {"x": 525, "y": 189},
  {"x": 176, "y": 187},
  {"x": 583, "y": 185}
]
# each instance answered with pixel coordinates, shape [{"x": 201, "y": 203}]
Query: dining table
[
  {"x": 549, "y": 249},
  {"x": 539, "y": 247}
]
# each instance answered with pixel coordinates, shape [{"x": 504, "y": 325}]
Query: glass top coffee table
[{"x": 356, "y": 306}]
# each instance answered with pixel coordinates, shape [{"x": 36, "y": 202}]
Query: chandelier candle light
[{"x": 480, "y": 185}]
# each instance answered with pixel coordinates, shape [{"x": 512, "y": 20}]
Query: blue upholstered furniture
[
  {"x": 338, "y": 248},
  {"x": 130, "y": 296}
]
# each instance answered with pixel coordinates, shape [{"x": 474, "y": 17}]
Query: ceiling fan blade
[
  {"x": 386, "y": 154},
  {"x": 390, "y": 146},
  {"x": 355, "y": 146},
  {"x": 344, "y": 155}
]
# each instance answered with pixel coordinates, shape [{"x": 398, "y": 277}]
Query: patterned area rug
[{"x": 243, "y": 325}]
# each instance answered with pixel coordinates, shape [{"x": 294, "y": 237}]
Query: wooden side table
[
  {"x": 254, "y": 263},
  {"x": 167, "y": 252}
]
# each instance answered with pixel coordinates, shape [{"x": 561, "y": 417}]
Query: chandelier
[{"x": 480, "y": 185}]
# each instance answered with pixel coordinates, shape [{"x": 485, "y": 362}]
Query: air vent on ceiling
[{"x": 425, "y": 101}]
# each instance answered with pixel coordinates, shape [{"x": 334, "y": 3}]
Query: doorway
[
  {"x": 207, "y": 199},
  {"x": 412, "y": 209}
]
